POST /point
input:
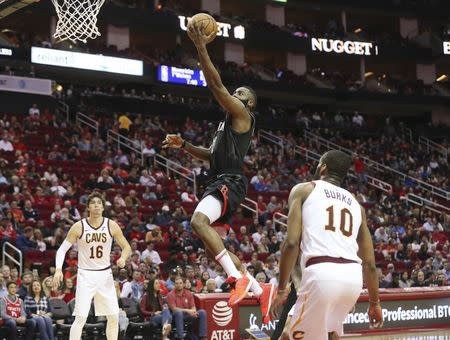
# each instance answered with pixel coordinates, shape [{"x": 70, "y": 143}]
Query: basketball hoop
[{"x": 77, "y": 19}]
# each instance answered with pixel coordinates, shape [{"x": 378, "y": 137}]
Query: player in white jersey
[
  {"x": 94, "y": 236},
  {"x": 329, "y": 226}
]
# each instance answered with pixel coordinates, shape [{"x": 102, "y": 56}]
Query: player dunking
[
  {"x": 228, "y": 185},
  {"x": 94, "y": 236},
  {"x": 330, "y": 227}
]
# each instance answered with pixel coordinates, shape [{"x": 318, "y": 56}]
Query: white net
[{"x": 77, "y": 19}]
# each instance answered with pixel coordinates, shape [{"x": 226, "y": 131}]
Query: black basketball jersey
[{"x": 229, "y": 148}]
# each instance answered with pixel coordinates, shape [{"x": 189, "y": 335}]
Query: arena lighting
[
  {"x": 368, "y": 74},
  {"x": 442, "y": 78},
  {"x": 86, "y": 61},
  {"x": 358, "y": 30}
]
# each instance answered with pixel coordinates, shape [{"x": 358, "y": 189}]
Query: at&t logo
[{"x": 222, "y": 314}]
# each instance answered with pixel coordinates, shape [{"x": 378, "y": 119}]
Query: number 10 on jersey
[{"x": 345, "y": 224}]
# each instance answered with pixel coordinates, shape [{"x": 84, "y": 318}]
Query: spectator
[
  {"x": 27, "y": 278},
  {"x": 358, "y": 119},
  {"x": 381, "y": 235},
  {"x": 405, "y": 281},
  {"x": 39, "y": 310},
  {"x": 441, "y": 279},
  {"x": 160, "y": 194},
  {"x": 263, "y": 246},
  {"x": 68, "y": 290},
  {"x": 146, "y": 179},
  {"x": 261, "y": 277},
  {"x": 211, "y": 287},
  {"x": 274, "y": 245},
  {"x": 164, "y": 217},
  {"x": 170, "y": 282},
  {"x": 132, "y": 200},
  {"x": 74, "y": 214},
  {"x": 257, "y": 236},
  {"x": 133, "y": 289},
  {"x": 429, "y": 225},
  {"x": 221, "y": 278},
  {"x": 154, "y": 309},
  {"x": 231, "y": 240},
  {"x": 47, "y": 287},
  {"x": 246, "y": 246},
  {"x": 105, "y": 181},
  {"x": 34, "y": 112},
  {"x": 124, "y": 125},
  {"x": 420, "y": 281},
  {"x": 29, "y": 213},
  {"x": 121, "y": 159},
  {"x": 188, "y": 196},
  {"x": 181, "y": 303},
  {"x": 154, "y": 233},
  {"x": 12, "y": 312},
  {"x": 17, "y": 213},
  {"x": 24, "y": 242},
  {"x": 5, "y": 144},
  {"x": 201, "y": 284}
]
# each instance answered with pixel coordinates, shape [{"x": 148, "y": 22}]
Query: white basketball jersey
[
  {"x": 94, "y": 246},
  {"x": 331, "y": 219}
]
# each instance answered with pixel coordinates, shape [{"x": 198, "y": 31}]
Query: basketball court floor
[{"x": 441, "y": 334}]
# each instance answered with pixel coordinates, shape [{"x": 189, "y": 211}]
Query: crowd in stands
[{"x": 49, "y": 166}]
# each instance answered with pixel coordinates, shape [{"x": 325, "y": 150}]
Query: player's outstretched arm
[
  {"x": 117, "y": 234},
  {"x": 229, "y": 103},
  {"x": 72, "y": 236},
  {"x": 176, "y": 142},
  {"x": 366, "y": 254}
]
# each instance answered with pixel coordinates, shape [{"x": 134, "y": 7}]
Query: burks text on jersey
[
  {"x": 96, "y": 237},
  {"x": 338, "y": 196}
]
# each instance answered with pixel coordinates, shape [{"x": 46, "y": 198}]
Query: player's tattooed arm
[{"x": 117, "y": 234}]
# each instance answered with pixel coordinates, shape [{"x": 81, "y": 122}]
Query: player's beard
[{"x": 244, "y": 101}]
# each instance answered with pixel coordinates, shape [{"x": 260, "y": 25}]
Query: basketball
[{"x": 206, "y": 23}]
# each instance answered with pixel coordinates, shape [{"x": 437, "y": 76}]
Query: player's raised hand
[
  {"x": 197, "y": 33},
  {"x": 375, "y": 316},
  {"x": 57, "y": 279},
  {"x": 172, "y": 141}
]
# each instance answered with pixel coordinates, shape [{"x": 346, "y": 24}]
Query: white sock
[
  {"x": 255, "y": 287},
  {"x": 227, "y": 264}
]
